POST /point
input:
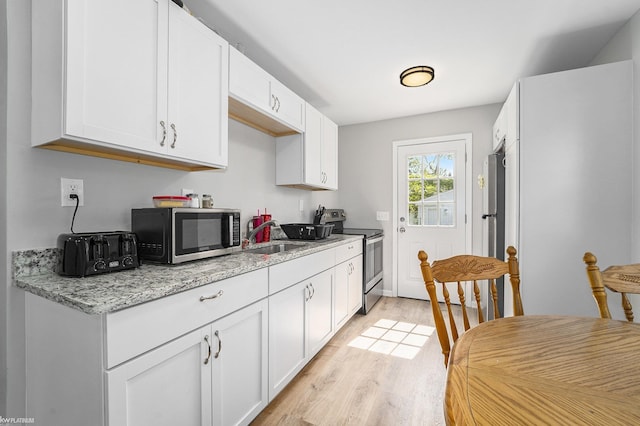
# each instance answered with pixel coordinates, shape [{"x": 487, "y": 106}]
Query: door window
[{"x": 431, "y": 191}]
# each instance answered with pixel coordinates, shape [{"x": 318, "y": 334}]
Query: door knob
[{"x": 402, "y": 230}]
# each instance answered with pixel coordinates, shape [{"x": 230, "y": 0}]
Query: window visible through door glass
[{"x": 431, "y": 189}]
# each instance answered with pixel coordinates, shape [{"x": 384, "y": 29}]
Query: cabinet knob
[
  {"x": 175, "y": 135},
  {"x": 215, "y": 296},
  {"x": 206, "y": 360},
  {"x": 219, "y": 344},
  {"x": 164, "y": 133}
]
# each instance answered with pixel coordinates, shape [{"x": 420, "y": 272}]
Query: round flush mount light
[{"x": 416, "y": 76}]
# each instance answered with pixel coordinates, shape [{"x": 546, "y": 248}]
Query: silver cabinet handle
[
  {"x": 215, "y": 296},
  {"x": 164, "y": 133},
  {"x": 175, "y": 135},
  {"x": 278, "y": 100},
  {"x": 273, "y": 103},
  {"x": 219, "y": 344},
  {"x": 206, "y": 360},
  {"x": 313, "y": 291},
  {"x": 307, "y": 295}
]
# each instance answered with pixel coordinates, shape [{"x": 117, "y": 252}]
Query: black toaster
[{"x": 97, "y": 252}]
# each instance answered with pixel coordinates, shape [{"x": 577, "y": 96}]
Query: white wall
[{"x": 366, "y": 167}]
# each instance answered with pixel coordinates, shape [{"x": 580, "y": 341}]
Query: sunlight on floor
[{"x": 401, "y": 339}]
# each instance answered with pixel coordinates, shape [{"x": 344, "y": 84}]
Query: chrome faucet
[{"x": 252, "y": 236}]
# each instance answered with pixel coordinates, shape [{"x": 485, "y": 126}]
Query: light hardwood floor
[{"x": 344, "y": 385}]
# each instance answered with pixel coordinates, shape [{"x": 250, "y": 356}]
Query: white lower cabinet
[
  {"x": 214, "y": 375},
  {"x": 239, "y": 362},
  {"x": 300, "y": 324},
  {"x": 168, "y": 386},
  {"x": 212, "y": 355},
  {"x": 348, "y": 290}
]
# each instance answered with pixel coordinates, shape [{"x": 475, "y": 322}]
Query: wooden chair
[
  {"x": 467, "y": 268},
  {"x": 621, "y": 279}
]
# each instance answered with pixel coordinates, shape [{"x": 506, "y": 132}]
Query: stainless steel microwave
[{"x": 176, "y": 235}]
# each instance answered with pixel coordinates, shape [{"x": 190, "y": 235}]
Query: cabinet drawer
[
  {"x": 347, "y": 251},
  {"x": 286, "y": 274},
  {"x": 135, "y": 330}
]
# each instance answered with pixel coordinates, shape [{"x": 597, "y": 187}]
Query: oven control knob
[
  {"x": 127, "y": 261},
  {"x": 100, "y": 265}
]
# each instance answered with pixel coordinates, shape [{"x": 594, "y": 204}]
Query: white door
[{"x": 432, "y": 203}]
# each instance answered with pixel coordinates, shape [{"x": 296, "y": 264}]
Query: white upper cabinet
[
  {"x": 500, "y": 129},
  {"x": 309, "y": 161},
  {"x": 260, "y": 101},
  {"x": 142, "y": 81},
  {"x": 198, "y": 90}
]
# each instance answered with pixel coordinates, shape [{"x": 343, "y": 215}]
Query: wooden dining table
[{"x": 553, "y": 370}]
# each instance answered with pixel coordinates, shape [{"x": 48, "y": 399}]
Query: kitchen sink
[{"x": 272, "y": 249}]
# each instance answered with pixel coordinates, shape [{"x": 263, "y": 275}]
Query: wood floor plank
[{"x": 345, "y": 385}]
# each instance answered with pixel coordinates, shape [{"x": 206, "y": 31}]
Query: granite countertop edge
[{"x": 34, "y": 272}]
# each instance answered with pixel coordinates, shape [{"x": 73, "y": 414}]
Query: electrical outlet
[{"x": 68, "y": 187}]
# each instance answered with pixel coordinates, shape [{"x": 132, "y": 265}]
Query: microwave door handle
[{"x": 230, "y": 230}]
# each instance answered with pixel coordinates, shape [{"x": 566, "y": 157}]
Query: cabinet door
[
  {"x": 341, "y": 294},
  {"x": 114, "y": 77},
  {"x": 287, "y": 106},
  {"x": 286, "y": 336},
  {"x": 312, "y": 151},
  {"x": 240, "y": 365},
  {"x": 319, "y": 311},
  {"x": 248, "y": 82},
  {"x": 198, "y": 90},
  {"x": 511, "y": 196},
  {"x": 355, "y": 285},
  {"x": 329, "y": 153},
  {"x": 170, "y": 385}
]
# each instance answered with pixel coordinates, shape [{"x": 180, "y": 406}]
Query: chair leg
[{"x": 626, "y": 305}]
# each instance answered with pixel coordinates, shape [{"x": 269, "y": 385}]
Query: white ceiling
[{"x": 345, "y": 56}]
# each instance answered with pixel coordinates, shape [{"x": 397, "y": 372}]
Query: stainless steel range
[{"x": 371, "y": 254}]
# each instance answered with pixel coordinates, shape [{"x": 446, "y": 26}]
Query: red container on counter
[
  {"x": 266, "y": 232},
  {"x": 257, "y": 221}
]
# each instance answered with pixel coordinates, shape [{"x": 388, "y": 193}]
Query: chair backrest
[
  {"x": 459, "y": 269},
  {"x": 621, "y": 279}
]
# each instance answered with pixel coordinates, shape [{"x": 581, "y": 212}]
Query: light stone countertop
[{"x": 33, "y": 271}]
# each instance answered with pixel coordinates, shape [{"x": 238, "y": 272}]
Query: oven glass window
[{"x": 373, "y": 260}]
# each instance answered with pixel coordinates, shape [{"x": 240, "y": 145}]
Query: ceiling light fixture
[{"x": 417, "y": 76}]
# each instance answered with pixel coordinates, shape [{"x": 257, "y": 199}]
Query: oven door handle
[{"x": 374, "y": 240}]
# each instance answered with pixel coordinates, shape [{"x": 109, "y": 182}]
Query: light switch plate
[{"x": 382, "y": 216}]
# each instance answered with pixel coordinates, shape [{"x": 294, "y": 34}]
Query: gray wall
[{"x": 366, "y": 166}]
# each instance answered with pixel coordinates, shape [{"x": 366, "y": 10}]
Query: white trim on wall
[{"x": 468, "y": 195}]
